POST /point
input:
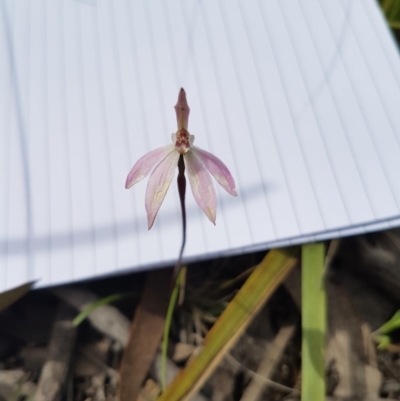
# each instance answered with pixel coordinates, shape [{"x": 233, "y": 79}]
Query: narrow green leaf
[
  {"x": 386, "y": 5},
  {"x": 167, "y": 327},
  {"x": 381, "y": 336},
  {"x": 313, "y": 322},
  {"x": 390, "y": 325},
  {"x": 394, "y": 24},
  {"x": 260, "y": 285},
  {"x": 7, "y": 298},
  {"x": 383, "y": 341},
  {"x": 91, "y": 307}
]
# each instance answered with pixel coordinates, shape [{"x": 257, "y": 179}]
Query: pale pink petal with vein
[
  {"x": 146, "y": 163},
  {"x": 202, "y": 185},
  {"x": 217, "y": 168},
  {"x": 158, "y": 185}
]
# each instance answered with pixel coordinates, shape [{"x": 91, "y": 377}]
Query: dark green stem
[
  {"x": 176, "y": 277},
  {"x": 182, "y": 191}
]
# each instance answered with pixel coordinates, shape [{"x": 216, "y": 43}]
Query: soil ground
[{"x": 43, "y": 356}]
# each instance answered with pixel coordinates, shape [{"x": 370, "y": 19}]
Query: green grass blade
[
  {"x": 386, "y": 5},
  {"x": 167, "y": 327},
  {"x": 7, "y": 298},
  {"x": 391, "y": 9},
  {"x": 313, "y": 322},
  {"x": 382, "y": 335},
  {"x": 260, "y": 285},
  {"x": 394, "y": 24},
  {"x": 91, "y": 307},
  {"x": 391, "y": 325}
]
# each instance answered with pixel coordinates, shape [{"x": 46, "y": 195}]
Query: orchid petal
[
  {"x": 146, "y": 163},
  {"x": 202, "y": 185},
  {"x": 217, "y": 169},
  {"x": 158, "y": 185}
]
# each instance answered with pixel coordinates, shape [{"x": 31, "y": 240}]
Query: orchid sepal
[
  {"x": 145, "y": 165},
  {"x": 217, "y": 169},
  {"x": 157, "y": 187}
]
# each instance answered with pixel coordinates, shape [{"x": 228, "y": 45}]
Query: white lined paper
[{"x": 298, "y": 99}]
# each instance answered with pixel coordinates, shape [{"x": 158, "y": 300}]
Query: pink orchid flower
[{"x": 199, "y": 165}]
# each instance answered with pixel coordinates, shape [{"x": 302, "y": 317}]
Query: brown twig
[
  {"x": 145, "y": 334},
  {"x": 55, "y": 371}
]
